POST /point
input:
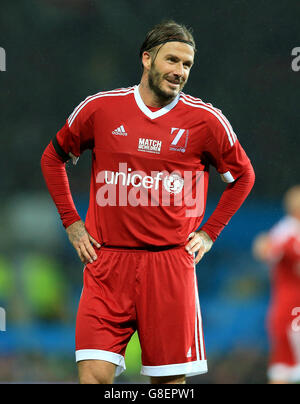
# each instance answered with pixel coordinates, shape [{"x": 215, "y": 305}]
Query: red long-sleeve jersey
[{"x": 150, "y": 168}]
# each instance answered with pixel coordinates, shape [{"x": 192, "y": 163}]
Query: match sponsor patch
[{"x": 149, "y": 145}]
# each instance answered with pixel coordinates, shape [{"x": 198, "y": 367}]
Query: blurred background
[{"x": 60, "y": 51}]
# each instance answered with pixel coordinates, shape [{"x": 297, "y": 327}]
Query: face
[
  {"x": 169, "y": 69},
  {"x": 292, "y": 202}
]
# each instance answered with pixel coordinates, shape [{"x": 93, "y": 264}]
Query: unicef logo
[{"x": 173, "y": 183}]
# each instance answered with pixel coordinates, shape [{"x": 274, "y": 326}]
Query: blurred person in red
[{"x": 280, "y": 249}]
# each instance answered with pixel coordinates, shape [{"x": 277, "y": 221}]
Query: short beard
[{"x": 153, "y": 81}]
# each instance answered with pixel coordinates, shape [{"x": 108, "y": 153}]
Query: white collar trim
[{"x": 147, "y": 111}]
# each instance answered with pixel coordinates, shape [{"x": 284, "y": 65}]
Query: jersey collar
[{"x": 147, "y": 111}]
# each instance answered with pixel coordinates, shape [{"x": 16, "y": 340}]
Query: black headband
[{"x": 165, "y": 41}]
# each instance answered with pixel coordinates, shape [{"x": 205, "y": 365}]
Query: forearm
[
  {"x": 55, "y": 175},
  {"x": 231, "y": 200}
]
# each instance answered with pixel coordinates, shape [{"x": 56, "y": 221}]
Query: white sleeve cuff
[{"x": 227, "y": 177}]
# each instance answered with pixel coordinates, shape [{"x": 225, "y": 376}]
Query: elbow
[
  {"x": 251, "y": 175},
  {"x": 50, "y": 158},
  {"x": 43, "y": 159}
]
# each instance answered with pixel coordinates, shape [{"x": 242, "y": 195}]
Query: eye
[{"x": 187, "y": 65}]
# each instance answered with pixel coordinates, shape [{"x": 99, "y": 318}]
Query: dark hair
[{"x": 167, "y": 31}]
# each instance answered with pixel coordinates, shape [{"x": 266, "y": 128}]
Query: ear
[{"x": 146, "y": 60}]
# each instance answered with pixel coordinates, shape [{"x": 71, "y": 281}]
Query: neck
[{"x": 150, "y": 98}]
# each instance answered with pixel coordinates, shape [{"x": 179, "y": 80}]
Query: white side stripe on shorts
[
  {"x": 198, "y": 324},
  {"x": 196, "y": 333}
]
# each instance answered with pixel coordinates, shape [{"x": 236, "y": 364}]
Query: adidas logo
[
  {"x": 189, "y": 353},
  {"x": 119, "y": 131}
]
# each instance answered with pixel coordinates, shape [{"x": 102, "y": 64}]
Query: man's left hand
[{"x": 199, "y": 241}]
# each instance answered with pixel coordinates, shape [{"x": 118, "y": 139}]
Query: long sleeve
[
  {"x": 231, "y": 200},
  {"x": 57, "y": 182}
]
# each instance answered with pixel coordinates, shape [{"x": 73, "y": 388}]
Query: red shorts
[
  {"x": 284, "y": 364},
  {"x": 154, "y": 293}
]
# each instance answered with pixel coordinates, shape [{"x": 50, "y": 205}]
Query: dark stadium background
[{"x": 59, "y": 52}]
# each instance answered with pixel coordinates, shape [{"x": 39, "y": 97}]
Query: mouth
[{"x": 173, "y": 83}]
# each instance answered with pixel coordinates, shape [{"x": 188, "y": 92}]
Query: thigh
[
  {"x": 96, "y": 372},
  {"x": 179, "y": 379},
  {"x": 106, "y": 316},
  {"x": 279, "y": 331},
  {"x": 169, "y": 318}
]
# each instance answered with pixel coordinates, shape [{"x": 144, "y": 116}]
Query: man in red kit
[
  {"x": 280, "y": 248},
  {"x": 152, "y": 146}
]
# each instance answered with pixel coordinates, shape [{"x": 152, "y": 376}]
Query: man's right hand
[
  {"x": 261, "y": 247},
  {"x": 82, "y": 242}
]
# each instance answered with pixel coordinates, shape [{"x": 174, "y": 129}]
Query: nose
[{"x": 179, "y": 71}]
